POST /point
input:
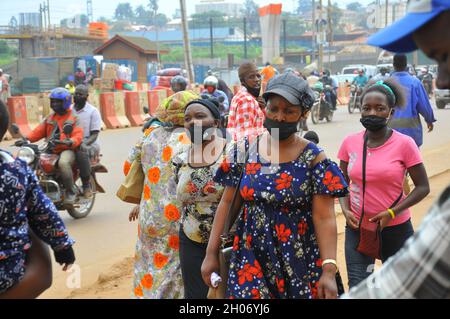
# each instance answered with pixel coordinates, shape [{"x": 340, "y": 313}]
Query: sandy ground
[{"x": 116, "y": 282}]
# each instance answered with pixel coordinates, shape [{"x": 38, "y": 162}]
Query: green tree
[
  {"x": 142, "y": 16},
  {"x": 250, "y": 11},
  {"x": 304, "y": 6},
  {"x": 124, "y": 11},
  {"x": 201, "y": 20},
  {"x": 355, "y": 6}
]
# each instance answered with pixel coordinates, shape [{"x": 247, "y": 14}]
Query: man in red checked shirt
[{"x": 246, "y": 115}]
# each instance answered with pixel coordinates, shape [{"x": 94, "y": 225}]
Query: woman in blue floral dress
[{"x": 285, "y": 244}]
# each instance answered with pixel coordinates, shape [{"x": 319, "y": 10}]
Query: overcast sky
[{"x": 67, "y": 8}]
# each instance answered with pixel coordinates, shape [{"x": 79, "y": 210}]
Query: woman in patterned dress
[
  {"x": 157, "y": 273},
  {"x": 285, "y": 244},
  {"x": 196, "y": 190}
]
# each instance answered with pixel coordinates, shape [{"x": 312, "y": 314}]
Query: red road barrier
[
  {"x": 17, "y": 109},
  {"x": 108, "y": 111},
  {"x": 132, "y": 108},
  {"x": 155, "y": 97}
]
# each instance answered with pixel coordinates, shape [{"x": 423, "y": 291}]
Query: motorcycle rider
[
  {"x": 383, "y": 75},
  {"x": 52, "y": 128},
  {"x": 211, "y": 83},
  {"x": 427, "y": 80},
  {"x": 91, "y": 122},
  {"x": 360, "y": 81},
  {"x": 330, "y": 95},
  {"x": 178, "y": 83}
]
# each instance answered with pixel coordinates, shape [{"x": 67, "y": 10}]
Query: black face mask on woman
[
  {"x": 285, "y": 129},
  {"x": 374, "y": 123},
  {"x": 200, "y": 134}
]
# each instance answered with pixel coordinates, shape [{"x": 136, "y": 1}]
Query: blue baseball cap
[{"x": 398, "y": 36}]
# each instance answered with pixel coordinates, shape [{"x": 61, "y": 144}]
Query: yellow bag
[{"x": 131, "y": 189}]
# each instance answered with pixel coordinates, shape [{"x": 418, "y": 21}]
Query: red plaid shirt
[{"x": 246, "y": 118}]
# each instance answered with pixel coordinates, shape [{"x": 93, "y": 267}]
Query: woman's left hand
[
  {"x": 327, "y": 286},
  {"x": 383, "y": 218}
]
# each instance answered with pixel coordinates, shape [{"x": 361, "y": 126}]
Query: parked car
[
  {"x": 369, "y": 70},
  {"x": 442, "y": 97}
]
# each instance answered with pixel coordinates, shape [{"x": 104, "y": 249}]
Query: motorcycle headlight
[{"x": 27, "y": 155}]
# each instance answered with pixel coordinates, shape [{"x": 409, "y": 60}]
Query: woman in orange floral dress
[{"x": 157, "y": 272}]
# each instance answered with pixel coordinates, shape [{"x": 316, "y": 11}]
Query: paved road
[{"x": 106, "y": 236}]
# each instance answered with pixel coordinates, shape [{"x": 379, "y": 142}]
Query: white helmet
[{"x": 211, "y": 81}]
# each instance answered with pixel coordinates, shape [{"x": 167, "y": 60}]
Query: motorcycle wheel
[
  {"x": 82, "y": 207},
  {"x": 352, "y": 104},
  {"x": 315, "y": 113},
  {"x": 329, "y": 117}
]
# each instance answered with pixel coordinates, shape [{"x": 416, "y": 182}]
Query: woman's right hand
[
  {"x": 352, "y": 221},
  {"x": 210, "y": 264},
  {"x": 134, "y": 214}
]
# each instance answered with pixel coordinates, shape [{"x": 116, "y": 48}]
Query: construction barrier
[
  {"x": 17, "y": 109},
  {"x": 132, "y": 108},
  {"x": 108, "y": 111},
  {"x": 35, "y": 113},
  {"x": 119, "y": 106},
  {"x": 143, "y": 101},
  {"x": 169, "y": 92},
  {"x": 94, "y": 100},
  {"x": 155, "y": 97},
  {"x": 7, "y": 136}
]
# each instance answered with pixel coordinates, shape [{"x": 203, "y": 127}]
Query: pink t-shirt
[{"x": 386, "y": 167}]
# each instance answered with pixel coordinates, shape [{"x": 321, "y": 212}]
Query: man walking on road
[
  {"x": 422, "y": 268},
  {"x": 407, "y": 120}
]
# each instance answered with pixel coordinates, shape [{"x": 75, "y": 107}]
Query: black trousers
[
  {"x": 191, "y": 259},
  {"x": 82, "y": 158}
]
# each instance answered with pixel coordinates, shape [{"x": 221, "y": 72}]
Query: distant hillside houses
[{"x": 196, "y": 36}]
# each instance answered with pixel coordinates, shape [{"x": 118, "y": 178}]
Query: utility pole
[
  {"x": 245, "y": 38},
  {"x": 284, "y": 39},
  {"x": 48, "y": 11},
  {"x": 41, "y": 22},
  {"x": 187, "y": 44},
  {"x": 44, "y": 10},
  {"x": 90, "y": 11},
  {"x": 313, "y": 30},
  {"x": 320, "y": 66},
  {"x": 330, "y": 33},
  {"x": 386, "y": 13},
  {"x": 211, "y": 37}
]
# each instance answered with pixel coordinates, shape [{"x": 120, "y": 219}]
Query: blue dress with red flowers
[{"x": 275, "y": 251}]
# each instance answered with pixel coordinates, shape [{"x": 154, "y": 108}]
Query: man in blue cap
[{"x": 421, "y": 269}]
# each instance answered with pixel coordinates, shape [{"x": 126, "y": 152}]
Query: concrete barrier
[
  {"x": 108, "y": 111},
  {"x": 155, "y": 97},
  {"x": 119, "y": 106},
  {"x": 94, "y": 100},
  {"x": 17, "y": 108},
  {"x": 35, "y": 113},
  {"x": 132, "y": 108},
  {"x": 143, "y": 101}
]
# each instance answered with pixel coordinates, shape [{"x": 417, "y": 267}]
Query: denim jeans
[{"x": 360, "y": 266}]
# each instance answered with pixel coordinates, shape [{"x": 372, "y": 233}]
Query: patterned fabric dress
[
  {"x": 275, "y": 251},
  {"x": 157, "y": 273}
]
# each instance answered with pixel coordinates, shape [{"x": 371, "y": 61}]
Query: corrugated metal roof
[
  {"x": 177, "y": 35},
  {"x": 141, "y": 44}
]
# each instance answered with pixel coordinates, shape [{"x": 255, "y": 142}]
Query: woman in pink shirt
[{"x": 389, "y": 156}]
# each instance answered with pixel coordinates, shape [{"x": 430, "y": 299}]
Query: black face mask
[
  {"x": 253, "y": 91},
  {"x": 198, "y": 134},
  {"x": 79, "y": 102},
  {"x": 285, "y": 129},
  {"x": 60, "y": 110},
  {"x": 373, "y": 123}
]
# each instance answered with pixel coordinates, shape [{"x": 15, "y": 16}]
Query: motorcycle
[
  {"x": 427, "y": 82},
  {"x": 321, "y": 109},
  {"x": 355, "y": 101},
  {"x": 45, "y": 165}
]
